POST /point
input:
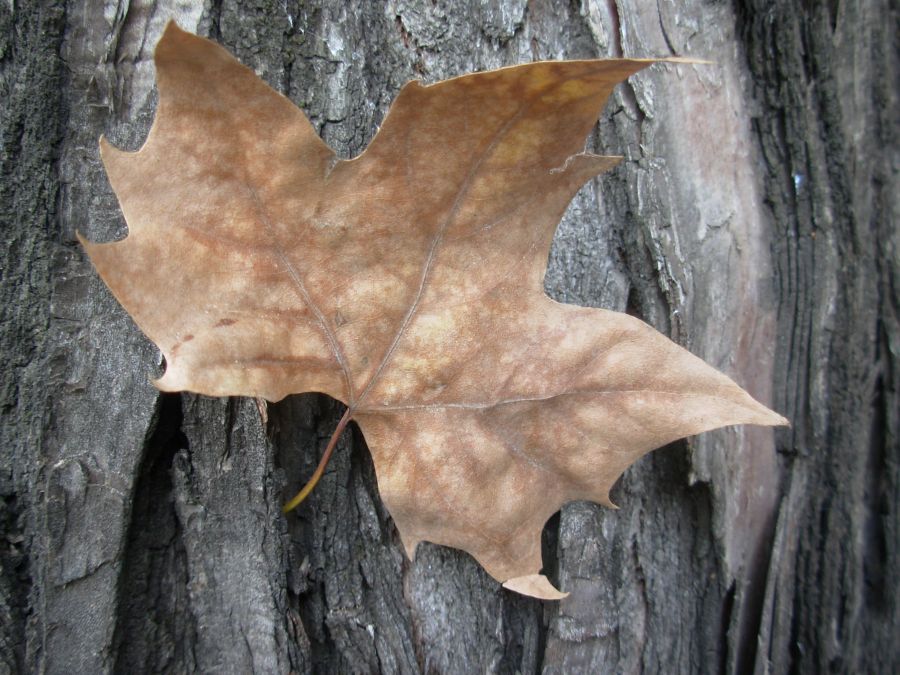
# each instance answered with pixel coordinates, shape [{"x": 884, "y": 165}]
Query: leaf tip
[
  {"x": 171, "y": 30},
  {"x": 174, "y": 40},
  {"x": 165, "y": 382},
  {"x": 113, "y": 160},
  {"x": 764, "y": 416},
  {"x": 95, "y": 250},
  {"x": 410, "y": 547},
  {"x": 778, "y": 420},
  {"x": 750, "y": 411},
  {"x": 536, "y": 586},
  {"x": 689, "y": 60},
  {"x": 106, "y": 148}
]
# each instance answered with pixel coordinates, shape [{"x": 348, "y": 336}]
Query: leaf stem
[{"x": 304, "y": 493}]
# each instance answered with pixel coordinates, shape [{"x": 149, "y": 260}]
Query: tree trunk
[{"x": 754, "y": 221}]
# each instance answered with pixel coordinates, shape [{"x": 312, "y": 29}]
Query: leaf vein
[
  {"x": 436, "y": 242},
  {"x": 301, "y": 289}
]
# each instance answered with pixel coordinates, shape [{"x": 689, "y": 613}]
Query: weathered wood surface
[{"x": 754, "y": 220}]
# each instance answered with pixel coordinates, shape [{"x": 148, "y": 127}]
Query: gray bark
[{"x": 754, "y": 221}]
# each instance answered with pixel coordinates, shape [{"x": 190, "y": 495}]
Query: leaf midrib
[
  {"x": 485, "y": 405},
  {"x": 464, "y": 189}
]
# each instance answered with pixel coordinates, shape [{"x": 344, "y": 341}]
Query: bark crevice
[{"x": 155, "y": 629}]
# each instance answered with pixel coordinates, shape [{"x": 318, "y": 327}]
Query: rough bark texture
[{"x": 754, "y": 221}]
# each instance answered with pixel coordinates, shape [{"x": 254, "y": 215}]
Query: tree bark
[{"x": 754, "y": 221}]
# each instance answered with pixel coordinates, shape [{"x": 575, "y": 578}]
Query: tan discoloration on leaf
[{"x": 408, "y": 284}]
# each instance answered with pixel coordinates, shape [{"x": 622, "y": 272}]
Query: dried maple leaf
[{"x": 406, "y": 283}]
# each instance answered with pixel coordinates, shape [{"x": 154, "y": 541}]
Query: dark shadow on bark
[
  {"x": 154, "y": 627},
  {"x": 15, "y": 585}
]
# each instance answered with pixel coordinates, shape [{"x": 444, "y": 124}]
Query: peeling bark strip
[{"x": 89, "y": 546}]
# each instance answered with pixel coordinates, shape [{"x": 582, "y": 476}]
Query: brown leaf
[{"x": 406, "y": 283}]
